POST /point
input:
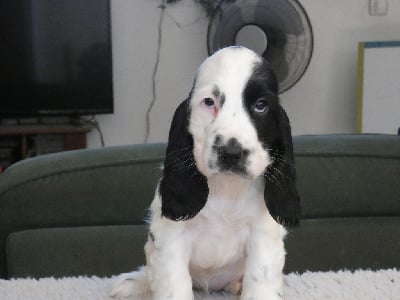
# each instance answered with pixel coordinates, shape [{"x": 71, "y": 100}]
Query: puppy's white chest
[
  {"x": 217, "y": 243},
  {"x": 218, "y": 252},
  {"x": 220, "y": 232}
]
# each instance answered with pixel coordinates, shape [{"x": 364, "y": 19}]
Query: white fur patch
[{"x": 228, "y": 70}]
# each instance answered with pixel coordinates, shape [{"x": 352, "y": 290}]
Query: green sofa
[{"x": 81, "y": 212}]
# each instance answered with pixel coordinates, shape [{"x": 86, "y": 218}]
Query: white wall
[{"x": 323, "y": 101}]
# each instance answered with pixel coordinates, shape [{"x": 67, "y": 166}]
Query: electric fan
[{"x": 278, "y": 30}]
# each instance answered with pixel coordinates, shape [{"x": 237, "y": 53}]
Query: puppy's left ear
[
  {"x": 183, "y": 189},
  {"x": 280, "y": 192}
]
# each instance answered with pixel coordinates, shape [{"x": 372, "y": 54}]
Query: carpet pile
[{"x": 343, "y": 285}]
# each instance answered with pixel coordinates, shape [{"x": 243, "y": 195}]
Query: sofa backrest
[
  {"x": 348, "y": 175},
  {"x": 349, "y": 187}
]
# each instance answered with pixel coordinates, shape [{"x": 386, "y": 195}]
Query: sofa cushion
[
  {"x": 59, "y": 252},
  {"x": 344, "y": 243},
  {"x": 318, "y": 245}
]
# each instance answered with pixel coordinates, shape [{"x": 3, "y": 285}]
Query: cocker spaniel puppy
[{"x": 227, "y": 191}]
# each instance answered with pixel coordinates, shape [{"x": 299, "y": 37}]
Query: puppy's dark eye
[
  {"x": 209, "y": 102},
  {"x": 261, "y": 106}
]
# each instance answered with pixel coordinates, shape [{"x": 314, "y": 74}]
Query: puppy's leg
[
  {"x": 134, "y": 285},
  {"x": 168, "y": 261},
  {"x": 263, "y": 278}
]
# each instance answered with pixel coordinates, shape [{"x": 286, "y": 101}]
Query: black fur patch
[
  {"x": 151, "y": 236},
  {"x": 216, "y": 92},
  {"x": 183, "y": 189},
  {"x": 218, "y": 95},
  {"x": 222, "y": 100},
  {"x": 273, "y": 130}
]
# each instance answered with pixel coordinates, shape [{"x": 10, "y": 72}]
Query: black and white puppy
[{"x": 228, "y": 189}]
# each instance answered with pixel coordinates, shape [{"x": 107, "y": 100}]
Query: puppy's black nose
[{"x": 230, "y": 153}]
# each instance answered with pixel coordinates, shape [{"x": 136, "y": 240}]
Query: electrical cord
[
  {"x": 210, "y": 7},
  {"x": 94, "y": 123},
  {"x": 155, "y": 69}
]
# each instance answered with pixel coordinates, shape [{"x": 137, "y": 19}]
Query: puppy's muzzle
[{"x": 231, "y": 156}]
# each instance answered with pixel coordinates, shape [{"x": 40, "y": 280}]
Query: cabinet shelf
[{"x": 22, "y": 141}]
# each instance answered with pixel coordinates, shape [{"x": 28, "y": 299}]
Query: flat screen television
[{"x": 55, "y": 57}]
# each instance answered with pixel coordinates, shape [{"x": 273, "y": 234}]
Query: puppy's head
[{"x": 232, "y": 123}]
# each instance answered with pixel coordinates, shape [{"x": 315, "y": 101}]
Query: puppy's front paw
[
  {"x": 131, "y": 285},
  {"x": 235, "y": 287}
]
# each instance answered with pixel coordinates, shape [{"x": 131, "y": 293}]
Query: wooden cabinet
[{"x": 22, "y": 141}]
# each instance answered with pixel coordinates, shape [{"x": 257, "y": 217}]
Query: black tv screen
[{"x": 55, "y": 57}]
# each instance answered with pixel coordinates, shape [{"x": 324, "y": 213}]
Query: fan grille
[{"x": 287, "y": 29}]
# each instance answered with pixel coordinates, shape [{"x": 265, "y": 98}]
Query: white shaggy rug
[{"x": 344, "y": 285}]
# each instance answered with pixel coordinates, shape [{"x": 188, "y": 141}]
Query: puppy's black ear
[
  {"x": 280, "y": 192},
  {"x": 183, "y": 189}
]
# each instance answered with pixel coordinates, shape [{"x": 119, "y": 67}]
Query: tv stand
[{"x": 18, "y": 142}]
